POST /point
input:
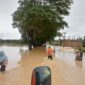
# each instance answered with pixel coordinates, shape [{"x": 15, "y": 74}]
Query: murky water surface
[
  {"x": 68, "y": 55},
  {"x": 65, "y": 71},
  {"x": 20, "y": 65},
  {"x": 14, "y": 55}
]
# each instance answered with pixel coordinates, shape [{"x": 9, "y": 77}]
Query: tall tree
[{"x": 40, "y": 20}]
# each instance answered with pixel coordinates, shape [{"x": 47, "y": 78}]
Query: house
[{"x": 72, "y": 43}]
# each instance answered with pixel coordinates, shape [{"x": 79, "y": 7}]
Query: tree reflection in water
[{"x": 79, "y": 64}]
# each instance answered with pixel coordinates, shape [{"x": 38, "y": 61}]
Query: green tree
[{"x": 39, "y": 20}]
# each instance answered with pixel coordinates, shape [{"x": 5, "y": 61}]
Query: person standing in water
[
  {"x": 50, "y": 53},
  {"x": 79, "y": 55}
]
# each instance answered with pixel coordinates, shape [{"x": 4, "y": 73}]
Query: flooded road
[
  {"x": 68, "y": 56},
  {"x": 65, "y": 71},
  {"x": 20, "y": 66},
  {"x": 74, "y": 72},
  {"x": 13, "y": 54}
]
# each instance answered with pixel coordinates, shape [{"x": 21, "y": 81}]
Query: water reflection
[
  {"x": 21, "y": 64},
  {"x": 68, "y": 56},
  {"x": 23, "y": 52},
  {"x": 13, "y": 54},
  {"x": 79, "y": 64}
]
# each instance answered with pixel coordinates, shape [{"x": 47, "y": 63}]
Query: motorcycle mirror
[{"x": 41, "y": 76}]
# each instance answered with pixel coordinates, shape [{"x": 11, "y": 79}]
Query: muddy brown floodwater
[{"x": 65, "y": 71}]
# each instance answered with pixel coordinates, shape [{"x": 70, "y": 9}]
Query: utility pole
[{"x": 64, "y": 33}]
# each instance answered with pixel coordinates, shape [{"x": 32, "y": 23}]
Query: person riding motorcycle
[{"x": 3, "y": 61}]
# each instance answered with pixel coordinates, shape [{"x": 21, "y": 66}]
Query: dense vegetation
[
  {"x": 12, "y": 42},
  {"x": 40, "y": 20}
]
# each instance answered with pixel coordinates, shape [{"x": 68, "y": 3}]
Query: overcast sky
[
  {"x": 7, "y": 7},
  {"x": 76, "y": 19}
]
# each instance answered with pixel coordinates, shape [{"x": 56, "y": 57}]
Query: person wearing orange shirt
[{"x": 50, "y": 52}]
